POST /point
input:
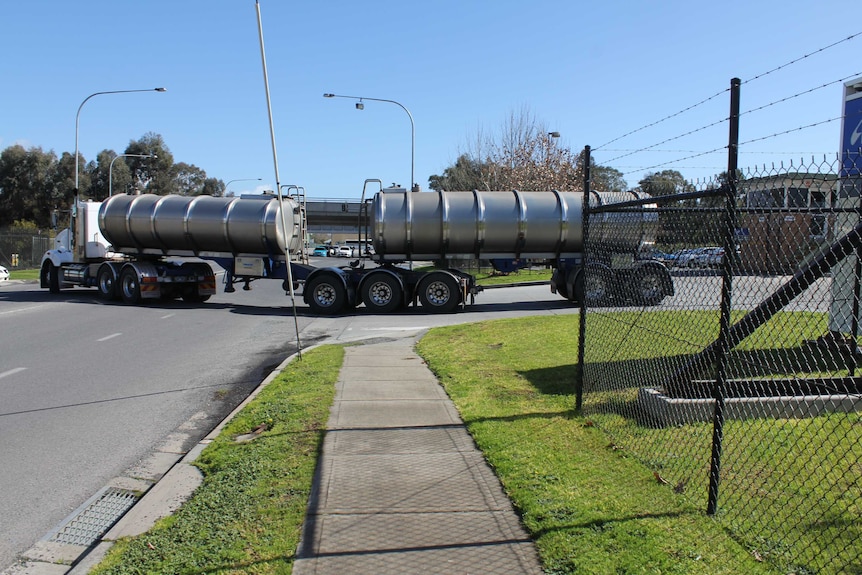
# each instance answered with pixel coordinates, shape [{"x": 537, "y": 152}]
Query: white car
[
  {"x": 345, "y": 251},
  {"x": 4, "y": 274}
]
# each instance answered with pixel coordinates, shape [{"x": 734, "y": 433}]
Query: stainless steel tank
[
  {"x": 626, "y": 230},
  {"x": 431, "y": 225},
  {"x": 172, "y": 224}
]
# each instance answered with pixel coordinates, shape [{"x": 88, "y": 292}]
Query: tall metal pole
[
  {"x": 278, "y": 181},
  {"x": 724, "y": 340},
  {"x": 582, "y": 316},
  {"x": 74, "y": 213},
  {"x": 412, "y": 128}
]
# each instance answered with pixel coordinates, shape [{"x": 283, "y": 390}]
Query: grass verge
[
  {"x": 32, "y": 274},
  {"x": 247, "y": 515},
  {"x": 590, "y": 508}
]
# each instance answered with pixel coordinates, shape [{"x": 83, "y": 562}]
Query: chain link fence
[
  {"x": 742, "y": 390},
  {"x": 22, "y": 250}
]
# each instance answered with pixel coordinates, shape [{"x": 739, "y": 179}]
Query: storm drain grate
[{"x": 95, "y": 517}]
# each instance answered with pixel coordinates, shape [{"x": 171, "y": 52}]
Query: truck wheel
[
  {"x": 439, "y": 292},
  {"x": 648, "y": 286},
  {"x": 326, "y": 295},
  {"x": 191, "y": 295},
  {"x": 52, "y": 276},
  {"x": 130, "y": 286},
  {"x": 382, "y": 293},
  {"x": 597, "y": 287},
  {"x": 106, "y": 280}
]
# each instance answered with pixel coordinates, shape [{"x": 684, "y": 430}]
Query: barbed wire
[
  {"x": 710, "y": 98},
  {"x": 782, "y": 100},
  {"x": 819, "y": 50},
  {"x": 671, "y": 162},
  {"x": 790, "y": 131}
]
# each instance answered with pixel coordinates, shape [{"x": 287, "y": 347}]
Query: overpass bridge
[{"x": 333, "y": 216}]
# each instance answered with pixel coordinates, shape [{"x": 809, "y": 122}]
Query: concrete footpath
[{"x": 401, "y": 488}]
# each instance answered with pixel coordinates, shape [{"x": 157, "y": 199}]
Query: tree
[
  {"x": 522, "y": 156},
  {"x": 464, "y": 174},
  {"x": 28, "y": 185},
  {"x": 188, "y": 179},
  {"x": 665, "y": 183},
  {"x": 154, "y": 175}
]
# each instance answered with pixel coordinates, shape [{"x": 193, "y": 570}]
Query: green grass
[
  {"x": 589, "y": 507},
  {"x": 32, "y": 274},
  {"x": 590, "y": 504},
  {"x": 247, "y": 514}
]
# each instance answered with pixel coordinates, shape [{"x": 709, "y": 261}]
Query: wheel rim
[
  {"x": 325, "y": 295},
  {"x": 380, "y": 293},
  {"x": 650, "y": 287},
  {"x": 595, "y": 290},
  {"x": 438, "y": 293},
  {"x": 130, "y": 286},
  {"x": 106, "y": 283}
]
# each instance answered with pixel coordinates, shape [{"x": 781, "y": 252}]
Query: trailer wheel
[
  {"x": 106, "y": 279},
  {"x": 130, "y": 286},
  {"x": 439, "y": 292},
  {"x": 648, "y": 286},
  {"x": 326, "y": 294},
  {"x": 382, "y": 293},
  {"x": 597, "y": 287},
  {"x": 191, "y": 295}
]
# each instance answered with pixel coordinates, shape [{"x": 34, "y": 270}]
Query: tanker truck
[{"x": 139, "y": 247}]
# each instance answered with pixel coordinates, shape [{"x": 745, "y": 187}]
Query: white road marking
[
  {"x": 17, "y": 310},
  {"x": 12, "y": 372},
  {"x": 169, "y": 315},
  {"x": 112, "y": 336}
]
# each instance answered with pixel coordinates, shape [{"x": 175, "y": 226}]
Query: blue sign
[{"x": 851, "y": 139}]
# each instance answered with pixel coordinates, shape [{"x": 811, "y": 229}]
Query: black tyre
[
  {"x": 130, "y": 286},
  {"x": 559, "y": 279},
  {"x": 597, "y": 286},
  {"x": 326, "y": 295},
  {"x": 191, "y": 295},
  {"x": 382, "y": 293},
  {"x": 52, "y": 277},
  {"x": 106, "y": 281},
  {"x": 439, "y": 292}
]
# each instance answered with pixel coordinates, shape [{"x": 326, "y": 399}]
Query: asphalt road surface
[{"x": 89, "y": 389}]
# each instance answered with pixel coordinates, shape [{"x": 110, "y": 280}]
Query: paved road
[{"x": 89, "y": 390}]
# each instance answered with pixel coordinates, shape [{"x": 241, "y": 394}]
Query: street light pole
[
  {"x": 111, "y": 168},
  {"x": 227, "y": 185},
  {"x": 78, "y": 117},
  {"x": 359, "y": 106}
]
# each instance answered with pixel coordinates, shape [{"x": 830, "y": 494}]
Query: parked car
[
  {"x": 320, "y": 251},
  {"x": 708, "y": 257},
  {"x": 711, "y": 257},
  {"x": 345, "y": 251},
  {"x": 4, "y": 274}
]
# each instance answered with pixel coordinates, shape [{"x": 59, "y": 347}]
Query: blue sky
[{"x": 593, "y": 71}]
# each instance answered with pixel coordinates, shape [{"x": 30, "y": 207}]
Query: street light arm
[
  {"x": 412, "y": 126},
  {"x": 78, "y": 117}
]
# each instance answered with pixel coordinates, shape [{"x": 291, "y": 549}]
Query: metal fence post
[
  {"x": 582, "y": 315},
  {"x": 729, "y": 233}
]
